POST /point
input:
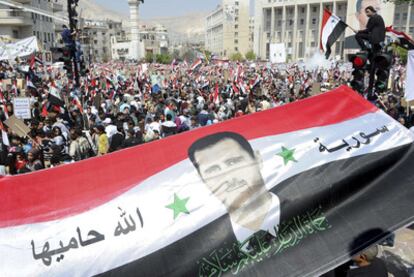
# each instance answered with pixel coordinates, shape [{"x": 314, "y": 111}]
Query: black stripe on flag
[{"x": 336, "y": 33}]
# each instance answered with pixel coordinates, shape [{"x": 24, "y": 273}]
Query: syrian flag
[
  {"x": 4, "y": 136},
  {"x": 332, "y": 28},
  {"x": 331, "y": 176},
  {"x": 216, "y": 97},
  {"x": 404, "y": 40},
  {"x": 3, "y": 102},
  {"x": 196, "y": 64}
]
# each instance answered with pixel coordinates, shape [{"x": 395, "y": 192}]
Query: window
[
  {"x": 405, "y": 15},
  {"x": 291, "y": 22},
  {"x": 313, "y": 21},
  {"x": 302, "y": 21},
  {"x": 15, "y": 34},
  {"x": 236, "y": 41},
  {"x": 302, "y": 10},
  {"x": 236, "y": 26},
  {"x": 314, "y": 9},
  {"x": 236, "y": 34},
  {"x": 236, "y": 49},
  {"x": 48, "y": 36},
  {"x": 279, "y": 23}
]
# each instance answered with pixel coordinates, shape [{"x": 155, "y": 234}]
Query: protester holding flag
[{"x": 374, "y": 33}]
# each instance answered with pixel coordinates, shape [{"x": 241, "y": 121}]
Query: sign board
[
  {"x": 21, "y": 107},
  {"x": 17, "y": 126},
  {"x": 277, "y": 53}
]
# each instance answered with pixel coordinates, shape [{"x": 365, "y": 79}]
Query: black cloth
[
  {"x": 374, "y": 33},
  {"x": 116, "y": 142},
  {"x": 377, "y": 268}
]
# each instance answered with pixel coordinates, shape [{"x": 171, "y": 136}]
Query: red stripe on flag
[
  {"x": 75, "y": 188},
  {"x": 326, "y": 15}
]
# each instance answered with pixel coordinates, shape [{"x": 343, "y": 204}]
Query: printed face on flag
[
  {"x": 361, "y": 15},
  {"x": 231, "y": 172}
]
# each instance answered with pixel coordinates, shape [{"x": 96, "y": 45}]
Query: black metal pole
[{"x": 72, "y": 26}]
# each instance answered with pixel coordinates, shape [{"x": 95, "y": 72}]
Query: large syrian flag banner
[
  {"x": 332, "y": 28},
  {"x": 292, "y": 191}
]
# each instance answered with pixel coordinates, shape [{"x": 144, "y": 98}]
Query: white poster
[
  {"x": 21, "y": 107},
  {"x": 277, "y": 53},
  {"x": 409, "y": 85},
  {"x": 20, "y": 48}
]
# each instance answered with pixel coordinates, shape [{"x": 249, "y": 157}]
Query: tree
[
  {"x": 400, "y": 52},
  {"x": 149, "y": 57},
  {"x": 236, "y": 57},
  {"x": 163, "y": 58},
  {"x": 250, "y": 56}
]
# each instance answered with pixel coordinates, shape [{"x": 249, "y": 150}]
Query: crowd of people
[{"x": 121, "y": 105}]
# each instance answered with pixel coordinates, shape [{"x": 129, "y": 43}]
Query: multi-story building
[
  {"x": 155, "y": 39},
  {"x": 227, "y": 28},
  {"x": 16, "y": 23},
  {"x": 297, "y": 24},
  {"x": 96, "y": 38},
  {"x": 251, "y": 33}
]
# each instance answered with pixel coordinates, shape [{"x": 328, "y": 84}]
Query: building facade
[
  {"x": 18, "y": 24},
  {"x": 155, "y": 39},
  {"x": 96, "y": 38},
  {"x": 152, "y": 40},
  {"x": 297, "y": 24},
  {"x": 227, "y": 28}
]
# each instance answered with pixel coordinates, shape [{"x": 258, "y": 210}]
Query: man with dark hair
[
  {"x": 374, "y": 33},
  {"x": 230, "y": 169},
  {"x": 361, "y": 5}
]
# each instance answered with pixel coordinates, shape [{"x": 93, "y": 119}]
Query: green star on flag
[
  {"x": 287, "y": 155},
  {"x": 178, "y": 206}
]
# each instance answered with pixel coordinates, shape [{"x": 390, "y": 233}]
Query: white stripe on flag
[{"x": 328, "y": 30}]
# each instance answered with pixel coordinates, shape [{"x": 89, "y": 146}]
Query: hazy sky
[{"x": 162, "y": 8}]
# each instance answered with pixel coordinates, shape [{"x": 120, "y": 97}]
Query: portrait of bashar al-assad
[
  {"x": 230, "y": 169},
  {"x": 361, "y": 18}
]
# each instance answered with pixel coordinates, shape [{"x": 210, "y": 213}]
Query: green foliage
[
  {"x": 250, "y": 56},
  {"x": 207, "y": 53},
  {"x": 400, "y": 52},
  {"x": 163, "y": 58},
  {"x": 149, "y": 57},
  {"x": 236, "y": 57}
]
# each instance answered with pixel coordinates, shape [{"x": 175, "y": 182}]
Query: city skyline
[{"x": 162, "y": 8}]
